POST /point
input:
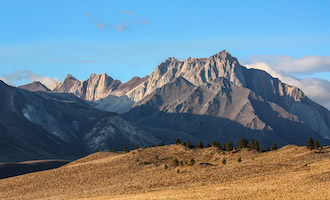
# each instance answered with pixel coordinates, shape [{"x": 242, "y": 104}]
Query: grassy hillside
[{"x": 291, "y": 172}]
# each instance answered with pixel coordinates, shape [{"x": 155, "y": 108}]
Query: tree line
[{"x": 228, "y": 146}]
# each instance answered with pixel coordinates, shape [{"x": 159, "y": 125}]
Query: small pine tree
[
  {"x": 113, "y": 149},
  {"x": 200, "y": 145},
  {"x": 178, "y": 171},
  {"x": 239, "y": 159},
  {"x": 224, "y": 147},
  {"x": 162, "y": 144},
  {"x": 152, "y": 145},
  {"x": 191, "y": 162},
  {"x": 229, "y": 146},
  {"x": 137, "y": 160},
  {"x": 126, "y": 149},
  {"x": 310, "y": 143},
  {"x": 257, "y": 146},
  {"x": 96, "y": 150},
  {"x": 175, "y": 162},
  {"x": 317, "y": 144},
  {"x": 178, "y": 141},
  {"x": 188, "y": 144},
  {"x": 208, "y": 145},
  {"x": 181, "y": 163},
  {"x": 136, "y": 147},
  {"x": 274, "y": 146},
  {"x": 268, "y": 149},
  {"x": 218, "y": 145},
  {"x": 156, "y": 157},
  {"x": 224, "y": 161},
  {"x": 165, "y": 167},
  {"x": 243, "y": 143},
  {"x": 214, "y": 143},
  {"x": 254, "y": 145}
]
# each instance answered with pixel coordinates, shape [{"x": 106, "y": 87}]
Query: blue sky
[{"x": 54, "y": 38}]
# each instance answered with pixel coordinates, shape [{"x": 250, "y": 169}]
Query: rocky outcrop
[
  {"x": 35, "y": 86},
  {"x": 95, "y": 88}
]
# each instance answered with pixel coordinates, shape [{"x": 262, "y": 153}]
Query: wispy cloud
[
  {"x": 130, "y": 13},
  {"x": 288, "y": 64},
  {"x": 121, "y": 26},
  {"x": 315, "y": 88},
  {"x": 26, "y": 75}
]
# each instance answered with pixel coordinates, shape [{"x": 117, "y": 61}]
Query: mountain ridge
[{"x": 214, "y": 87}]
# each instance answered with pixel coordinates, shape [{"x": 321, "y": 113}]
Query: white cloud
[
  {"x": 26, "y": 75},
  {"x": 315, "y": 88},
  {"x": 288, "y": 64}
]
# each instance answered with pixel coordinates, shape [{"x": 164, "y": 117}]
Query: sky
[{"x": 46, "y": 40}]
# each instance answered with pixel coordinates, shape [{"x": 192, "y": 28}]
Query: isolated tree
[
  {"x": 254, "y": 145},
  {"x": 224, "y": 161},
  {"x": 310, "y": 143},
  {"x": 188, "y": 144},
  {"x": 175, "y": 162},
  {"x": 126, "y": 149},
  {"x": 214, "y": 143},
  {"x": 239, "y": 159},
  {"x": 229, "y": 146},
  {"x": 257, "y": 146},
  {"x": 243, "y": 143},
  {"x": 178, "y": 141},
  {"x": 208, "y": 145},
  {"x": 267, "y": 149},
  {"x": 113, "y": 149},
  {"x": 156, "y": 157},
  {"x": 191, "y": 162},
  {"x": 152, "y": 145},
  {"x": 162, "y": 144},
  {"x": 96, "y": 150},
  {"x": 224, "y": 147},
  {"x": 200, "y": 145},
  {"x": 218, "y": 145},
  {"x": 165, "y": 167},
  {"x": 136, "y": 147},
  {"x": 274, "y": 146},
  {"x": 317, "y": 144}
]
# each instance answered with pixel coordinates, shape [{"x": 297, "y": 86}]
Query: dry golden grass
[{"x": 289, "y": 173}]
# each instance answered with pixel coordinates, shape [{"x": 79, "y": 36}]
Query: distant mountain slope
[
  {"x": 35, "y": 86},
  {"x": 38, "y": 125},
  {"x": 219, "y": 111}
]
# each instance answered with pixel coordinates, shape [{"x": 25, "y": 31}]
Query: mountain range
[{"x": 204, "y": 99}]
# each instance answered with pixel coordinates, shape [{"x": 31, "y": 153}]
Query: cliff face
[{"x": 95, "y": 88}]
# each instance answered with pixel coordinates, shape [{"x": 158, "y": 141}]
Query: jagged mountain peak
[
  {"x": 35, "y": 86},
  {"x": 70, "y": 77}
]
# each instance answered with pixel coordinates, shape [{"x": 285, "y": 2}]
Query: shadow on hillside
[
  {"x": 14, "y": 169},
  {"x": 170, "y": 126}
]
